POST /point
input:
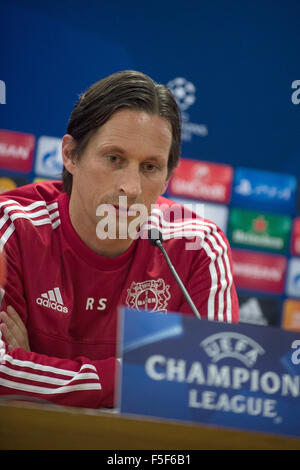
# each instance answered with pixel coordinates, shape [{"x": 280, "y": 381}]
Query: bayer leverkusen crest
[{"x": 152, "y": 295}]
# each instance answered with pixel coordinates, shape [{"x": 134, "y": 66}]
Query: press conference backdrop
[{"x": 234, "y": 70}]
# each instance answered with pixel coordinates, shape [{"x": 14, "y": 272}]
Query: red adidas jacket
[{"x": 68, "y": 296}]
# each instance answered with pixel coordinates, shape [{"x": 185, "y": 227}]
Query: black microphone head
[{"x": 155, "y": 236}]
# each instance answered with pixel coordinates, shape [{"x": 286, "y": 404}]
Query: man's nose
[{"x": 130, "y": 183}]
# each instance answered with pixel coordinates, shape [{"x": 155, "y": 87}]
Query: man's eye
[
  {"x": 150, "y": 168},
  {"x": 113, "y": 158}
]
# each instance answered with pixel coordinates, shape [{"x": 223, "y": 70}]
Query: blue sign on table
[
  {"x": 238, "y": 376},
  {"x": 274, "y": 192}
]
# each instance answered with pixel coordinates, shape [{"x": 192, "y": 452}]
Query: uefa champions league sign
[{"x": 238, "y": 376}]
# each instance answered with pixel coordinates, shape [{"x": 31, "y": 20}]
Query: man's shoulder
[
  {"x": 44, "y": 191},
  {"x": 181, "y": 222},
  {"x": 30, "y": 210},
  {"x": 170, "y": 211}
]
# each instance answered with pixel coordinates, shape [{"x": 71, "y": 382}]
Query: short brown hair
[{"x": 125, "y": 89}]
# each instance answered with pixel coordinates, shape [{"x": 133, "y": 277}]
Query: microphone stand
[{"x": 155, "y": 238}]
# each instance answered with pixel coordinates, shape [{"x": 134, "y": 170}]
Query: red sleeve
[
  {"x": 210, "y": 283},
  {"x": 78, "y": 382},
  {"x": 14, "y": 292}
]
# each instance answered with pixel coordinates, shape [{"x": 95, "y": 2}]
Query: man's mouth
[{"x": 121, "y": 210}]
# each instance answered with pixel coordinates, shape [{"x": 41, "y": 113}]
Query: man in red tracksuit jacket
[{"x": 70, "y": 267}]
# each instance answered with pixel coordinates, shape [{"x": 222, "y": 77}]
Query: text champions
[{"x": 159, "y": 368}]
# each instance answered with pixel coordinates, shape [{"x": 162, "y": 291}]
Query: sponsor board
[
  {"x": 49, "y": 157},
  {"x": 202, "y": 180},
  {"x": 216, "y": 213},
  {"x": 237, "y": 376},
  {"x": 295, "y": 239},
  {"x": 16, "y": 150},
  {"x": 263, "y": 272},
  {"x": 259, "y": 310},
  {"x": 261, "y": 230},
  {"x": 263, "y": 189},
  {"x": 293, "y": 278},
  {"x": 291, "y": 315}
]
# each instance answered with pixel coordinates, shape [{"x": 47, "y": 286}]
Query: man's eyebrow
[
  {"x": 155, "y": 159},
  {"x": 110, "y": 148},
  {"x": 115, "y": 148}
]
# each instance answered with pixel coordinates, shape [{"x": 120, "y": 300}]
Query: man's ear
[
  {"x": 68, "y": 144},
  {"x": 165, "y": 185}
]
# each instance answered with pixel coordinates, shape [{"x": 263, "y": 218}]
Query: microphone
[{"x": 156, "y": 239}]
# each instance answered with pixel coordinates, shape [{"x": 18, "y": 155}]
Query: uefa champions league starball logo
[{"x": 183, "y": 91}]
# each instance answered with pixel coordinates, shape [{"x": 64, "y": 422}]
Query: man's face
[{"x": 127, "y": 156}]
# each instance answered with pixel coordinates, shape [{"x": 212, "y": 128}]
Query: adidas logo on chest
[{"x": 53, "y": 300}]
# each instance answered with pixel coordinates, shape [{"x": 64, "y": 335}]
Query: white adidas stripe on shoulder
[
  {"x": 43, "y": 216},
  {"x": 24, "y": 209},
  {"x": 31, "y": 206}
]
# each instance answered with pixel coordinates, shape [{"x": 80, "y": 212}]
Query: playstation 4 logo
[
  {"x": 264, "y": 189},
  {"x": 2, "y": 92}
]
